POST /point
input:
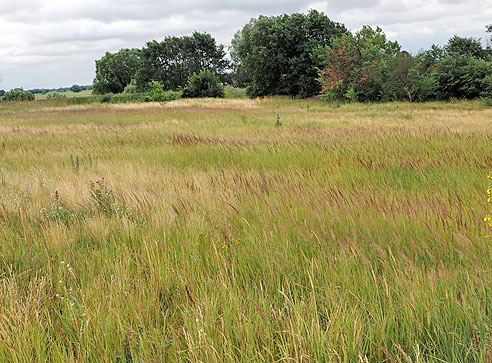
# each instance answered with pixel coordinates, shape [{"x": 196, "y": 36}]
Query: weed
[
  {"x": 278, "y": 122},
  {"x": 107, "y": 204},
  {"x": 75, "y": 163},
  {"x": 57, "y": 211}
]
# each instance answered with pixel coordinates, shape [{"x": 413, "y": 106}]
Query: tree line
[
  {"x": 303, "y": 55},
  {"x": 299, "y": 55}
]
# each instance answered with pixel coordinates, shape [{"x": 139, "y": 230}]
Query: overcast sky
[{"x": 54, "y": 43}]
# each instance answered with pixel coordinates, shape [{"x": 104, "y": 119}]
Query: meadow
[
  {"x": 67, "y": 94},
  {"x": 245, "y": 230}
]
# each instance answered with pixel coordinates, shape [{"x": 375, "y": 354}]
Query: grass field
[
  {"x": 67, "y": 94},
  {"x": 351, "y": 233}
]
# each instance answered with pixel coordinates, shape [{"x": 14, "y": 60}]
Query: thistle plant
[
  {"x": 108, "y": 205},
  {"x": 56, "y": 210},
  {"x": 103, "y": 198}
]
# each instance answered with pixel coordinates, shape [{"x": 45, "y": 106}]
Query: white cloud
[{"x": 50, "y": 43}]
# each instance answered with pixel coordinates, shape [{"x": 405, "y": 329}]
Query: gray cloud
[{"x": 50, "y": 43}]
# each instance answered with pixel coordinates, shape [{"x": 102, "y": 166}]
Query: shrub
[
  {"x": 131, "y": 87},
  {"x": 203, "y": 84},
  {"x": 487, "y": 102},
  {"x": 55, "y": 96},
  {"x": 18, "y": 94},
  {"x": 155, "y": 92},
  {"x": 106, "y": 98}
]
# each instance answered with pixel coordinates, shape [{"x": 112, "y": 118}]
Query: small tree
[
  {"x": 156, "y": 92},
  {"x": 203, "y": 84},
  {"x": 2, "y": 92},
  {"x": 76, "y": 88}
]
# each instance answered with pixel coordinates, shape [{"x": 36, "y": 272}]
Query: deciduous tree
[
  {"x": 114, "y": 71},
  {"x": 173, "y": 60},
  {"x": 275, "y": 53}
]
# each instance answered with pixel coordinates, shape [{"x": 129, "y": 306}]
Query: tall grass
[{"x": 351, "y": 233}]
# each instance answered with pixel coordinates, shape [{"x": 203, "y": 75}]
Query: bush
[
  {"x": 131, "y": 87},
  {"x": 76, "y": 88},
  {"x": 462, "y": 77},
  {"x": 55, "y": 96},
  {"x": 203, "y": 84},
  {"x": 106, "y": 98},
  {"x": 487, "y": 102},
  {"x": 18, "y": 94},
  {"x": 156, "y": 93}
]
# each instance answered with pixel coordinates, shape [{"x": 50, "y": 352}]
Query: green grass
[
  {"x": 67, "y": 94},
  {"x": 353, "y": 232}
]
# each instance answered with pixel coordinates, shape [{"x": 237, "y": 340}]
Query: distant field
[
  {"x": 67, "y": 94},
  {"x": 351, "y": 233}
]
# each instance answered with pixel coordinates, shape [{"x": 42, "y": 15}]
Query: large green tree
[
  {"x": 172, "y": 61},
  {"x": 115, "y": 71},
  {"x": 273, "y": 54}
]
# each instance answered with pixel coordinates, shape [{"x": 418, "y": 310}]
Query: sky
[{"x": 54, "y": 43}]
